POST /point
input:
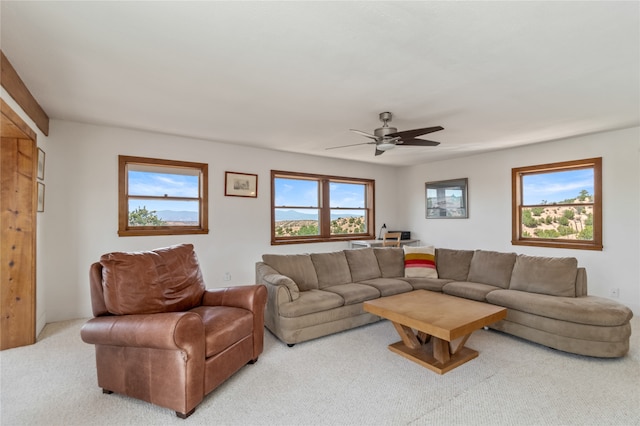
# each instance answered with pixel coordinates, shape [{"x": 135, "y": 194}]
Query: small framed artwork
[
  {"x": 41, "y": 156},
  {"x": 40, "y": 196},
  {"x": 447, "y": 199},
  {"x": 240, "y": 185}
]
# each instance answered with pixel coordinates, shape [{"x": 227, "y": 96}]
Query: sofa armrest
[
  {"x": 283, "y": 281},
  {"x": 172, "y": 330},
  {"x": 276, "y": 282},
  {"x": 249, "y": 297}
]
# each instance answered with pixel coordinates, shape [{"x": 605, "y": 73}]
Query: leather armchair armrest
[
  {"x": 172, "y": 330},
  {"x": 250, "y": 297}
]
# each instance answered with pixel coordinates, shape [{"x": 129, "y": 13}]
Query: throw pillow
[{"x": 420, "y": 262}]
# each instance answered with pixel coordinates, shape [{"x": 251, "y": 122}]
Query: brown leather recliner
[{"x": 161, "y": 336}]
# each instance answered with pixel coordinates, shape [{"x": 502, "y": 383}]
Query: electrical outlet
[
  {"x": 614, "y": 292},
  {"x": 227, "y": 276}
]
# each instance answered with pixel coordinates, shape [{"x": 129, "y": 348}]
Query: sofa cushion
[
  {"x": 363, "y": 264},
  {"x": 491, "y": 267},
  {"x": 390, "y": 261},
  {"x": 354, "y": 293},
  {"x": 573, "y": 330},
  {"x": 162, "y": 280},
  {"x": 310, "y": 302},
  {"x": 298, "y": 267},
  {"x": 469, "y": 290},
  {"x": 331, "y": 268},
  {"x": 453, "y": 264},
  {"x": 389, "y": 286},
  {"x": 420, "y": 262},
  {"x": 591, "y": 310},
  {"x": 433, "y": 284},
  {"x": 555, "y": 276}
]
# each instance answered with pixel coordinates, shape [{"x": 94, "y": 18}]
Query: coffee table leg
[
  {"x": 456, "y": 345},
  {"x": 423, "y": 337},
  {"x": 432, "y": 352},
  {"x": 408, "y": 336},
  {"x": 441, "y": 350}
]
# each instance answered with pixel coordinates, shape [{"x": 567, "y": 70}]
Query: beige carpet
[{"x": 349, "y": 378}]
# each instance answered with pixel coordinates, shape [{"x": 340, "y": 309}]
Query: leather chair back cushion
[{"x": 162, "y": 280}]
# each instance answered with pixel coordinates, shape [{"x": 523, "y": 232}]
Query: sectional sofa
[{"x": 313, "y": 295}]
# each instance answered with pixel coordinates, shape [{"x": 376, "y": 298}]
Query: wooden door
[{"x": 18, "y": 205}]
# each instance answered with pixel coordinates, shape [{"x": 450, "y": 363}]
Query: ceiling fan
[{"x": 386, "y": 138}]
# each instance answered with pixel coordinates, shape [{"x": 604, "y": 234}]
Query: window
[
  {"x": 558, "y": 205},
  {"x": 308, "y": 208},
  {"x": 161, "y": 197}
]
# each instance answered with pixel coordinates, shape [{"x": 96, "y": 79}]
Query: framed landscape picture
[
  {"x": 240, "y": 185},
  {"x": 447, "y": 199}
]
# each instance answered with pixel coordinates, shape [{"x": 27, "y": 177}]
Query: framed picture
[
  {"x": 40, "y": 196},
  {"x": 447, "y": 199},
  {"x": 240, "y": 185},
  {"x": 41, "y": 156}
]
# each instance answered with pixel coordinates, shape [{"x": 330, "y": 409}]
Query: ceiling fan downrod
[{"x": 385, "y": 117}]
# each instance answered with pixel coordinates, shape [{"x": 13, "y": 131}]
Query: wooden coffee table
[{"x": 443, "y": 324}]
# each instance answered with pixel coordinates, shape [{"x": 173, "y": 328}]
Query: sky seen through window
[{"x": 556, "y": 187}]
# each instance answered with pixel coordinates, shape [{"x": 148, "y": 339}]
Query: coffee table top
[{"x": 446, "y": 317}]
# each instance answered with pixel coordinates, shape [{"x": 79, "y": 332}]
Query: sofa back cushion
[
  {"x": 298, "y": 267},
  {"x": 363, "y": 264},
  {"x": 331, "y": 268},
  {"x": 555, "y": 276},
  {"x": 453, "y": 264},
  {"x": 162, "y": 280},
  {"x": 390, "y": 261},
  {"x": 491, "y": 267}
]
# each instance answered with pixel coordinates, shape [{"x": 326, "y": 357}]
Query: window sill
[
  {"x": 559, "y": 244},
  {"x": 151, "y": 232}
]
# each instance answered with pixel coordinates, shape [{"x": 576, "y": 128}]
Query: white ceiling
[{"x": 296, "y": 76}]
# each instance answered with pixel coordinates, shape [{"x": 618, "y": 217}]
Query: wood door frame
[{"x": 18, "y": 245}]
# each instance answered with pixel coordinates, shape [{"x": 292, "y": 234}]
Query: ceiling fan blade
[
  {"x": 354, "y": 144},
  {"x": 417, "y": 142},
  {"x": 409, "y": 134},
  {"x": 365, "y": 134}
]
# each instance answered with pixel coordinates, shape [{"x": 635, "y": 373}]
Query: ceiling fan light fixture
[{"x": 385, "y": 146}]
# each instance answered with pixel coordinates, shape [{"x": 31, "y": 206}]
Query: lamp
[{"x": 383, "y": 227}]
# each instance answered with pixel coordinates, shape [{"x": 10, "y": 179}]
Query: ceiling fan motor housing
[{"x": 384, "y": 131}]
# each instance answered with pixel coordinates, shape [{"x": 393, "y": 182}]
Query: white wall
[
  {"x": 82, "y": 203},
  {"x": 80, "y": 221},
  {"x": 41, "y": 225},
  {"x": 489, "y": 224}
]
